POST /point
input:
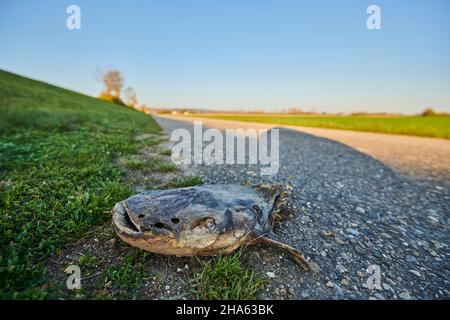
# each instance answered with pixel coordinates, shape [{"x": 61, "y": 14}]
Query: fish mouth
[{"x": 123, "y": 222}]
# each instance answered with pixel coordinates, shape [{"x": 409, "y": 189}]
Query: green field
[{"x": 433, "y": 126}]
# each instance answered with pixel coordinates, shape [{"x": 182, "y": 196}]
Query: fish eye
[{"x": 175, "y": 220}]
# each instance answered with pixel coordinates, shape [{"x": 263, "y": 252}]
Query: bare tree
[
  {"x": 113, "y": 82},
  {"x": 130, "y": 97}
]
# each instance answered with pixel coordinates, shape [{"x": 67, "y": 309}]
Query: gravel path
[
  {"x": 416, "y": 157},
  {"x": 352, "y": 212}
]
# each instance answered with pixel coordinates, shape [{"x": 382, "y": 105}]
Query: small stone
[
  {"x": 359, "y": 250},
  {"x": 341, "y": 268},
  {"x": 338, "y": 291},
  {"x": 405, "y": 295},
  {"x": 304, "y": 295},
  {"x": 387, "y": 287},
  {"x": 379, "y": 296},
  {"x": 386, "y": 236},
  {"x": 323, "y": 253},
  {"x": 330, "y": 284},
  {"x": 344, "y": 282},
  {"x": 167, "y": 287},
  {"x": 392, "y": 282},
  {"x": 352, "y": 231},
  {"x": 411, "y": 259},
  {"x": 360, "y": 210},
  {"x": 415, "y": 272},
  {"x": 345, "y": 256},
  {"x": 360, "y": 274},
  {"x": 270, "y": 274}
]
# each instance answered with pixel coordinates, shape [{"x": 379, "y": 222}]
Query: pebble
[
  {"x": 379, "y": 296},
  {"x": 338, "y": 291},
  {"x": 410, "y": 258},
  {"x": 330, "y": 284},
  {"x": 270, "y": 274},
  {"x": 360, "y": 210},
  {"x": 345, "y": 256},
  {"x": 361, "y": 251},
  {"x": 415, "y": 272},
  {"x": 387, "y": 287},
  {"x": 405, "y": 295},
  {"x": 352, "y": 231},
  {"x": 341, "y": 268},
  {"x": 386, "y": 236}
]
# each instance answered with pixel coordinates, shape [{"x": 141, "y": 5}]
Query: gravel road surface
[{"x": 353, "y": 212}]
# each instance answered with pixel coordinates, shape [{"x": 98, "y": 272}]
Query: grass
[
  {"x": 227, "y": 278},
  {"x": 433, "y": 126},
  {"x": 57, "y": 174},
  {"x": 126, "y": 277},
  {"x": 182, "y": 182},
  {"x": 166, "y": 152}
]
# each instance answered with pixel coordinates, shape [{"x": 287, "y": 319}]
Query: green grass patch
[
  {"x": 227, "y": 278},
  {"x": 435, "y": 126},
  {"x": 181, "y": 182},
  {"x": 165, "y": 152},
  {"x": 57, "y": 173},
  {"x": 148, "y": 164},
  {"x": 87, "y": 260},
  {"x": 125, "y": 278},
  {"x": 159, "y": 165}
]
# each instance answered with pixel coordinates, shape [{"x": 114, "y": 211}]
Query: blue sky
[{"x": 240, "y": 55}]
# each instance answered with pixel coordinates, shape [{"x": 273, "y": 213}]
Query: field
[{"x": 432, "y": 126}]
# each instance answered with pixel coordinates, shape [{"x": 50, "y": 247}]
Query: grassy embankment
[
  {"x": 432, "y": 126},
  {"x": 63, "y": 160}
]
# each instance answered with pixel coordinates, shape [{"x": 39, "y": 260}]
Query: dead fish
[{"x": 205, "y": 220}]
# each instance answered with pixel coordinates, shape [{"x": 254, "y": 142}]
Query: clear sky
[{"x": 240, "y": 54}]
